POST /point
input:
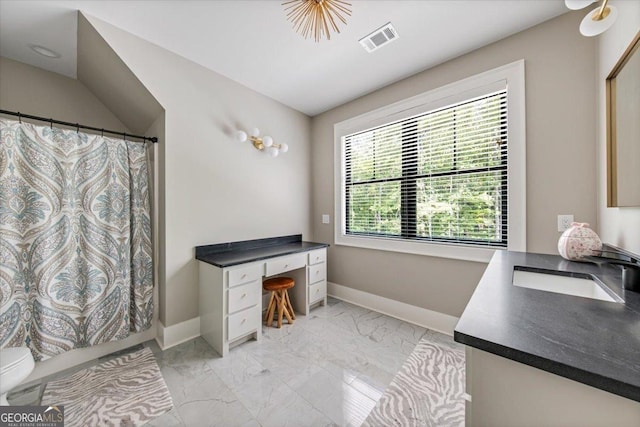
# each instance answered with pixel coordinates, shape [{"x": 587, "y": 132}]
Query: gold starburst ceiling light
[{"x": 314, "y": 17}]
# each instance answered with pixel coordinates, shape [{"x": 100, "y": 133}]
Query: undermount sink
[{"x": 561, "y": 282}]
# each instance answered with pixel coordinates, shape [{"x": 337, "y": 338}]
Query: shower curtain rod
[{"x": 78, "y": 126}]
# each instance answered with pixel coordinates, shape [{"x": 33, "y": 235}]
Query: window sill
[{"x": 440, "y": 250}]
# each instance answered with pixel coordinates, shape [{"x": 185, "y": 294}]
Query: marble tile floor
[{"x": 327, "y": 369}]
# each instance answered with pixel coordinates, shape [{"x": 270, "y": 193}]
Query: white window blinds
[{"x": 439, "y": 176}]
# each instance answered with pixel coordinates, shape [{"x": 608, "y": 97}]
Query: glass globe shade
[
  {"x": 590, "y": 27},
  {"x": 273, "y": 151},
  {"x": 255, "y": 132},
  {"x": 578, "y": 4},
  {"x": 267, "y": 141},
  {"x": 284, "y": 147},
  {"x": 241, "y": 136}
]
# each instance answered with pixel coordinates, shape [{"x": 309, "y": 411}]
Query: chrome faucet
[{"x": 630, "y": 268}]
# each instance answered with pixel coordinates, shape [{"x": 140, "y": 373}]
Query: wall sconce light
[
  {"x": 598, "y": 20},
  {"x": 264, "y": 143}
]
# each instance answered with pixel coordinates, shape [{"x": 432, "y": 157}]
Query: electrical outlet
[
  {"x": 564, "y": 222},
  {"x": 326, "y": 219}
]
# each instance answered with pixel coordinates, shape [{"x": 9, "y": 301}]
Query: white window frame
[{"x": 510, "y": 76}]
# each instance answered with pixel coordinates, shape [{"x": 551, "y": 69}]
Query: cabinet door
[
  {"x": 244, "y": 296},
  {"x": 317, "y": 256},
  {"x": 243, "y": 322},
  {"x": 285, "y": 263},
  {"x": 316, "y": 273},
  {"x": 317, "y": 291},
  {"x": 240, "y": 275}
]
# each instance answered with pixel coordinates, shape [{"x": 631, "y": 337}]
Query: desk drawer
[
  {"x": 241, "y": 275},
  {"x": 317, "y": 256},
  {"x": 316, "y": 273},
  {"x": 243, "y": 322},
  {"x": 317, "y": 291},
  {"x": 285, "y": 263},
  {"x": 244, "y": 296}
]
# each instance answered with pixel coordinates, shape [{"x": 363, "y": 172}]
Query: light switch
[{"x": 326, "y": 219}]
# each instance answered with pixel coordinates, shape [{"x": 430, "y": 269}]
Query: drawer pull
[
  {"x": 317, "y": 290},
  {"x": 243, "y": 320},
  {"x": 286, "y": 265},
  {"x": 317, "y": 258},
  {"x": 243, "y": 276},
  {"x": 317, "y": 272},
  {"x": 243, "y": 295}
]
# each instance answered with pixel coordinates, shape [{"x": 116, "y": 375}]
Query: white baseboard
[
  {"x": 409, "y": 313},
  {"x": 170, "y": 336}
]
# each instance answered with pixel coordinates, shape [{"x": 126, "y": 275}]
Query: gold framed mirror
[{"x": 623, "y": 129}]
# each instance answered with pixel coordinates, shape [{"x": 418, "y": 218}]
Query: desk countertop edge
[{"x": 244, "y": 256}]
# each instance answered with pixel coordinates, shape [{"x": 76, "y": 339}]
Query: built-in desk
[{"x": 231, "y": 284}]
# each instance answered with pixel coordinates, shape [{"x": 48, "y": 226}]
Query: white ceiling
[{"x": 252, "y": 43}]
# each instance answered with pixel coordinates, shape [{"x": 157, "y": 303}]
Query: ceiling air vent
[{"x": 379, "y": 37}]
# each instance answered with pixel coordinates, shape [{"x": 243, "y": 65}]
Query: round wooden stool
[{"x": 279, "y": 301}]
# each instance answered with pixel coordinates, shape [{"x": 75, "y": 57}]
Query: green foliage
[
  {"x": 375, "y": 208},
  {"x": 462, "y": 206},
  {"x": 450, "y": 205},
  {"x": 376, "y": 154}
]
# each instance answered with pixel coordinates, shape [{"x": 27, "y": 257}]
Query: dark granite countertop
[
  {"x": 234, "y": 253},
  {"x": 590, "y": 341}
]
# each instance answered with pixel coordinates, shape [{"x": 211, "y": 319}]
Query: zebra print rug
[
  {"x": 427, "y": 391},
  {"x": 126, "y": 391}
]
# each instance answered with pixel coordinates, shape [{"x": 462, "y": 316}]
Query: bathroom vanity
[
  {"x": 231, "y": 284},
  {"x": 536, "y": 357}
]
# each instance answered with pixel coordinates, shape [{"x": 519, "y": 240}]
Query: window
[{"x": 437, "y": 174}]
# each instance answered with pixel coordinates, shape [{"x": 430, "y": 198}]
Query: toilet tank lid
[{"x": 9, "y": 357}]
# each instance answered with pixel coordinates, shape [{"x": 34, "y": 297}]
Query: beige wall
[
  {"x": 216, "y": 189},
  {"x": 109, "y": 78},
  {"x": 560, "y": 94},
  {"x": 619, "y": 226},
  {"x": 42, "y": 93}
]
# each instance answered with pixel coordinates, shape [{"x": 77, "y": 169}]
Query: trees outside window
[{"x": 440, "y": 176}]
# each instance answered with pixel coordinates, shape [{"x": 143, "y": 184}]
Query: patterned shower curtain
[{"x": 75, "y": 239}]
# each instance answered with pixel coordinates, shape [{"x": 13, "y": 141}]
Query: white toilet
[{"x": 16, "y": 363}]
